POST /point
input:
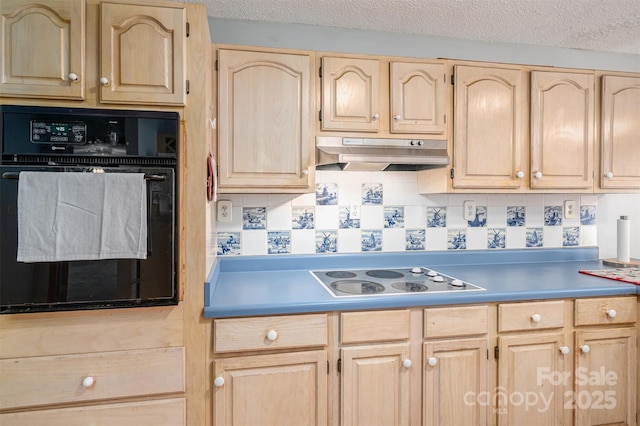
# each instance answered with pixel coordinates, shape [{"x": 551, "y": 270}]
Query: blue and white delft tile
[
  {"x": 371, "y": 194},
  {"x": 228, "y": 243},
  {"x": 254, "y": 218},
  {"x": 553, "y": 216},
  {"x": 534, "y": 237},
  {"x": 326, "y": 241},
  {"x": 571, "y": 236},
  {"x": 436, "y": 217},
  {"x": 496, "y": 238},
  {"x": 481, "y": 218},
  {"x": 587, "y": 215},
  {"x": 372, "y": 240},
  {"x": 415, "y": 239},
  {"x": 515, "y": 215},
  {"x": 346, "y": 222},
  {"x": 302, "y": 218},
  {"x": 456, "y": 239},
  {"x": 394, "y": 217},
  {"x": 279, "y": 242},
  {"x": 326, "y": 194}
]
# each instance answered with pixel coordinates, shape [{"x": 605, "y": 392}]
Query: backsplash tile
[{"x": 353, "y": 212}]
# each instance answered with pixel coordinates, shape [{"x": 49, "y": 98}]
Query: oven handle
[{"x": 16, "y": 175}]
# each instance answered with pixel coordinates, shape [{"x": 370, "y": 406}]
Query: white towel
[{"x": 81, "y": 216}]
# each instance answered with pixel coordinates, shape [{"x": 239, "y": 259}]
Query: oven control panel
[{"x": 72, "y": 132}]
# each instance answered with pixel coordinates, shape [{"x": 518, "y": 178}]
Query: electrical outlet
[
  {"x": 469, "y": 210},
  {"x": 224, "y": 211},
  {"x": 569, "y": 209},
  {"x": 354, "y": 211}
]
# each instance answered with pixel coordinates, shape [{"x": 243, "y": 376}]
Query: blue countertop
[{"x": 267, "y": 285}]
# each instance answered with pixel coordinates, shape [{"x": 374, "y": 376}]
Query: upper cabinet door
[
  {"x": 143, "y": 52},
  {"x": 350, "y": 94},
  {"x": 417, "y": 98},
  {"x": 489, "y": 150},
  {"x": 562, "y": 120},
  {"x": 265, "y": 101},
  {"x": 43, "y": 49},
  {"x": 620, "y": 132}
]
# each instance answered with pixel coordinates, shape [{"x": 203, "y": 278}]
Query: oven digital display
[{"x": 72, "y": 132}]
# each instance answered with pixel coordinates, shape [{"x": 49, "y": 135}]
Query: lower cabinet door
[
  {"x": 605, "y": 377},
  {"x": 161, "y": 412},
  {"x": 534, "y": 374},
  {"x": 375, "y": 385},
  {"x": 287, "y": 389},
  {"x": 455, "y": 378}
]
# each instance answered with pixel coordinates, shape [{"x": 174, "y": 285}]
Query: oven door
[{"x": 92, "y": 284}]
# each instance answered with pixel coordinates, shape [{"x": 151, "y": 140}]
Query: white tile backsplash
[{"x": 399, "y": 191}]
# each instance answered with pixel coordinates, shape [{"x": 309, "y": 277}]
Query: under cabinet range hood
[{"x": 374, "y": 154}]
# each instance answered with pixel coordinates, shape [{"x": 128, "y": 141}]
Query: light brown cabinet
[
  {"x": 383, "y": 95},
  {"x": 62, "y": 60},
  {"x": 283, "y": 388},
  {"x": 455, "y": 366},
  {"x": 63, "y": 368},
  {"x": 375, "y": 368},
  {"x": 620, "y": 127},
  {"x": 552, "y": 371},
  {"x": 492, "y": 117},
  {"x": 605, "y": 373},
  {"x": 265, "y": 104},
  {"x": 490, "y": 144},
  {"x": 562, "y": 127}
]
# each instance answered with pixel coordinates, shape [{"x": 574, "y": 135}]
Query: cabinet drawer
[
  {"x": 59, "y": 379},
  {"x": 143, "y": 413},
  {"x": 264, "y": 333},
  {"x": 530, "y": 315},
  {"x": 605, "y": 310},
  {"x": 374, "y": 326},
  {"x": 460, "y": 321}
]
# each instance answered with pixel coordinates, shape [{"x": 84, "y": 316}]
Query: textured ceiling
[{"x": 599, "y": 25}]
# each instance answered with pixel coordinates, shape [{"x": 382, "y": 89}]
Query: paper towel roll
[{"x": 624, "y": 239}]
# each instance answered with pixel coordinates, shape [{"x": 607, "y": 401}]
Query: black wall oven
[{"x": 80, "y": 140}]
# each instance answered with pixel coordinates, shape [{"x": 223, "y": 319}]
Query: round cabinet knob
[
  {"x": 432, "y": 361},
  {"x": 396, "y": 117},
  {"x": 304, "y": 173},
  {"x": 374, "y": 117},
  {"x": 537, "y": 175},
  {"x": 564, "y": 350},
  {"x": 88, "y": 381},
  {"x": 611, "y": 313},
  {"x": 272, "y": 335},
  {"x": 585, "y": 349},
  {"x": 520, "y": 174},
  {"x": 73, "y": 76},
  {"x": 104, "y": 81},
  {"x": 406, "y": 363},
  {"x": 218, "y": 381},
  {"x": 608, "y": 175},
  {"x": 536, "y": 317}
]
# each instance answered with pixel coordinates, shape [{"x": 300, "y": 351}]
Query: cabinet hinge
[
  {"x": 188, "y": 29},
  {"x": 320, "y": 72},
  {"x": 320, "y": 115},
  {"x": 451, "y": 173},
  {"x": 187, "y": 86},
  {"x": 453, "y": 79},
  {"x": 328, "y": 367},
  {"x": 496, "y": 352},
  {"x": 445, "y": 119},
  {"x": 216, "y": 65},
  {"x": 339, "y": 365},
  {"x": 487, "y": 353}
]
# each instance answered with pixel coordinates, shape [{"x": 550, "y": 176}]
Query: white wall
[
  {"x": 308, "y": 37},
  {"x": 610, "y": 208}
]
